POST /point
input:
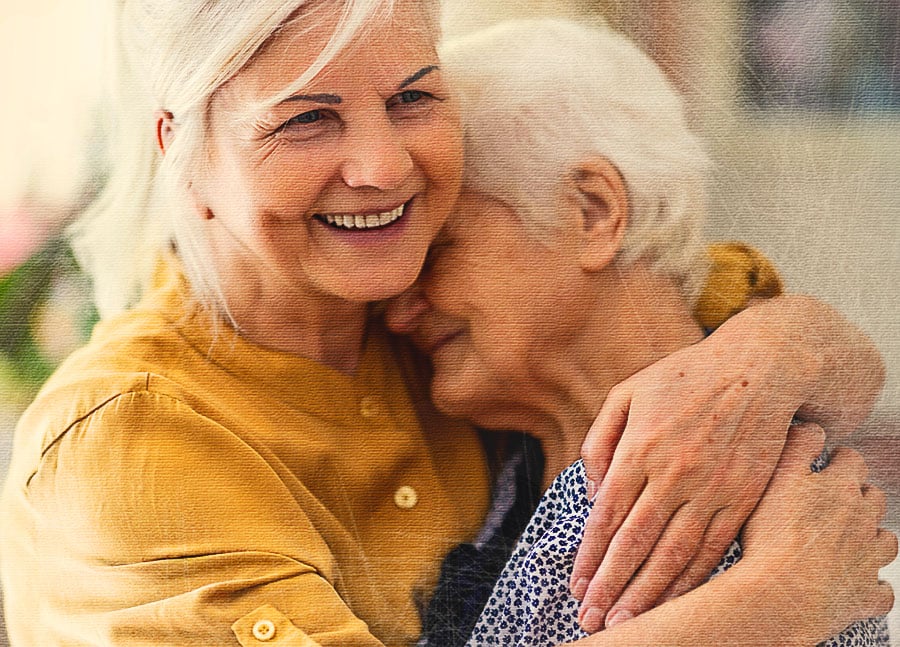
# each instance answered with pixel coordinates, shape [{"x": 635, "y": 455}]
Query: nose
[
  {"x": 377, "y": 157},
  {"x": 404, "y": 312}
]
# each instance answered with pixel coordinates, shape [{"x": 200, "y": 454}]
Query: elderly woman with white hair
[
  {"x": 241, "y": 454},
  {"x": 540, "y": 295}
]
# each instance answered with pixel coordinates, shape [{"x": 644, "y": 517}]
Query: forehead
[{"x": 389, "y": 42}]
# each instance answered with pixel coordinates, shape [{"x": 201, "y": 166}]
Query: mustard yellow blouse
[{"x": 169, "y": 487}]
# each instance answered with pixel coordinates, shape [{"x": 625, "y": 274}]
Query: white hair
[
  {"x": 540, "y": 96},
  {"x": 172, "y": 55}
]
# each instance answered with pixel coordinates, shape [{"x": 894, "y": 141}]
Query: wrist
[
  {"x": 777, "y": 608},
  {"x": 773, "y": 336}
]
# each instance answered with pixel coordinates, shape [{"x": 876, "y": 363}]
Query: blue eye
[
  {"x": 411, "y": 96},
  {"x": 309, "y": 117}
]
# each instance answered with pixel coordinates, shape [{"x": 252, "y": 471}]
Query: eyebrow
[
  {"x": 317, "y": 98},
  {"x": 418, "y": 75},
  {"x": 333, "y": 99}
]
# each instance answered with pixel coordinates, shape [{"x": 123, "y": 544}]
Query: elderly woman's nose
[
  {"x": 404, "y": 311},
  {"x": 377, "y": 157}
]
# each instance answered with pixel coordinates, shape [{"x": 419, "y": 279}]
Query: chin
[
  {"x": 372, "y": 292},
  {"x": 463, "y": 399},
  {"x": 374, "y": 285}
]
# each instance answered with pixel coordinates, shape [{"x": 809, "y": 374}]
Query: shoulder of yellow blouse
[{"x": 737, "y": 274}]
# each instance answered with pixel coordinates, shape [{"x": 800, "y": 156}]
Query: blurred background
[{"x": 799, "y": 101}]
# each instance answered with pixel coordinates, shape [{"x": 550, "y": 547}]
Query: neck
[
  {"x": 334, "y": 337},
  {"x": 321, "y": 327},
  {"x": 640, "y": 318}
]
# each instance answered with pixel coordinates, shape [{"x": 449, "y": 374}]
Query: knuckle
[
  {"x": 632, "y": 535},
  {"x": 849, "y": 456},
  {"x": 846, "y": 490},
  {"x": 640, "y": 597},
  {"x": 885, "y": 600},
  {"x": 893, "y": 544},
  {"x": 681, "y": 550},
  {"x": 600, "y": 522},
  {"x": 875, "y": 493},
  {"x": 598, "y": 596},
  {"x": 723, "y": 529},
  {"x": 590, "y": 453},
  {"x": 689, "y": 468},
  {"x": 809, "y": 427},
  {"x": 617, "y": 392}
]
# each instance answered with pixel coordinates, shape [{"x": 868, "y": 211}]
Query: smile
[{"x": 370, "y": 221}]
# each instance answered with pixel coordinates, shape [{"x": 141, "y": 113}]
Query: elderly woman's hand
[
  {"x": 691, "y": 442},
  {"x": 818, "y": 536},
  {"x": 683, "y": 450}
]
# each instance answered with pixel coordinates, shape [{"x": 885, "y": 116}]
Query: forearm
[
  {"x": 832, "y": 366},
  {"x": 739, "y": 607}
]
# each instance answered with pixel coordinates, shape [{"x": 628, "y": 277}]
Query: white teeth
[{"x": 371, "y": 221}]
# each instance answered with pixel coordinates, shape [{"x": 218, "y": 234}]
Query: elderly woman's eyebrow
[
  {"x": 428, "y": 69},
  {"x": 334, "y": 99},
  {"x": 317, "y": 98}
]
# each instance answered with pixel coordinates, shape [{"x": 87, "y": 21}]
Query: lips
[{"x": 362, "y": 222}]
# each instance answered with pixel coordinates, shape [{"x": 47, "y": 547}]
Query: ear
[
  {"x": 165, "y": 133},
  {"x": 601, "y": 200},
  {"x": 165, "y": 130}
]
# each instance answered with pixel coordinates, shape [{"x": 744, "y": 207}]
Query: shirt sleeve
[{"x": 158, "y": 526}]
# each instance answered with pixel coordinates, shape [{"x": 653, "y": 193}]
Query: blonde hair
[
  {"x": 172, "y": 55},
  {"x": 539, "y": 96}
]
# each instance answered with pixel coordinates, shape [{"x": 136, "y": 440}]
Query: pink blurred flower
[{"x": 20, "y": 237}]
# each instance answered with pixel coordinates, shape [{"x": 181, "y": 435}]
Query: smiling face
[
  {"x": 495, "y": 310},
  {"x": 338, "y": 191}
]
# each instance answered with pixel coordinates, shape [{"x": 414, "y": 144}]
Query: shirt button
[
  {"x": 369, "y": 407},
  {"x": 405, "y": 497},
  {"x": 264, "y": 630}
]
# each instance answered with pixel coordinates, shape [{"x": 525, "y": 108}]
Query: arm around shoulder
[{"x": 167, "y": 528}]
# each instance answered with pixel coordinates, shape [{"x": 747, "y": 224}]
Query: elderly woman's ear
[
  {"x": 165, "y": 130},
  {"x": 601, "y": 201}
]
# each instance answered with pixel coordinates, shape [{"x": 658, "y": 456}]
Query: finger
[
  {"x": 627, "y": 551},
  {"x": 849, "y": 462},
  {"x": 616, "y": 497},
  {"x": 599, "y": 445},
  {"x": 804, "y": 444},
  {"x": 882, "y": 600},
  {"x": 876, "y": 498},
  {"x": 886, "y": 546},
  {"x": 719, "y": 536},
  {"x": 680, "y": 542}
]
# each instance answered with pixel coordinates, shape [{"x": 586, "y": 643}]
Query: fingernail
[
  {"x": 580, "y": 588},
  {"x": 592, "y": 621},
  {"x": 591, "y": 489},
  {"x": 616, "y": 616}
]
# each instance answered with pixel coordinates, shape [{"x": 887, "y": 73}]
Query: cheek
[
  {"x": 293, "y": 188},
  {"x": 440, "y": 154}
]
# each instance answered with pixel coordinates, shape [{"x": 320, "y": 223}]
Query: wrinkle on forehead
[{"x": 310, "y": 44}]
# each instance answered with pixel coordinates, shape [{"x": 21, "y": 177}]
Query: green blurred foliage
[{"x": 27, "y": 296}]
